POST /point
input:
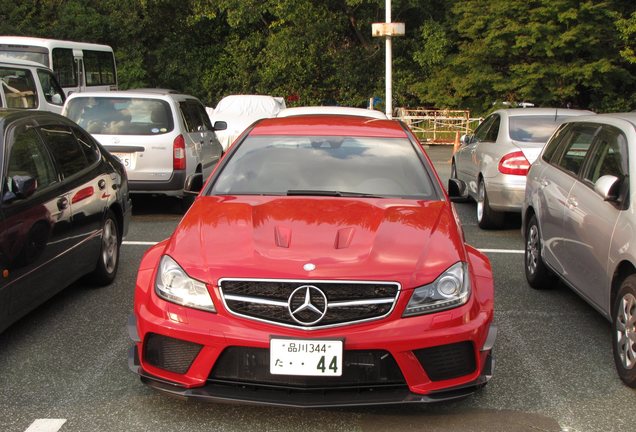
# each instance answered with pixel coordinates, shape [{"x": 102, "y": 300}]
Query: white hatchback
[{"x": 162, "y": 137}]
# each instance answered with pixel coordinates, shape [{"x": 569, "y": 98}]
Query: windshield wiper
[{"x": 310, "y": 192}]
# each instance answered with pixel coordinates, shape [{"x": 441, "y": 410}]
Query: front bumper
[{"x": 398, "y": 338}]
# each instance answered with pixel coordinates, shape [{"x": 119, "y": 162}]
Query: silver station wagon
[{"x": 579, "y": 222}]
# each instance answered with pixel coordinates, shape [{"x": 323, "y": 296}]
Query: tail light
[
  {"x": 178, "y": 153},
  {"x": 514, "y": 163}
]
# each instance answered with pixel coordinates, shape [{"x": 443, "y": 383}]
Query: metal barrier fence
[{"x": 438, "y": 126}]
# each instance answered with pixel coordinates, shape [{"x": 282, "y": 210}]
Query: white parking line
[
  {"x": 46, "y": 425},
  {"x": 503, "y": 251},
  {"x": 139, "y": 243}
]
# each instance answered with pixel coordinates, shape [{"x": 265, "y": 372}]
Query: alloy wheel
[
  {"x": 532, "y": 249},
  {"x": 109, "y": 245},
  {"x": 626, "y": 330}
]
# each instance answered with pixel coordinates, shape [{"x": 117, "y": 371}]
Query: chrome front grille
[{"x": 309, "y": 304}]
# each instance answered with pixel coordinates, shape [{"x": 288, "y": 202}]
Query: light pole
[{"x": 388, "y": 30}]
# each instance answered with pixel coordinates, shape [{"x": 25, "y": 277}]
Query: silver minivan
[
  {"x": 29, "y": 85},
  {"x": 163, "y": 138},
  {"x": 579, "y": 222}
]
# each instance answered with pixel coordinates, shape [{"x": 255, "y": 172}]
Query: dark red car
[{"x": 322, "y": 264}]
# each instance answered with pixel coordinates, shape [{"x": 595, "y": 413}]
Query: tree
[{"x": 551, "y": 53}]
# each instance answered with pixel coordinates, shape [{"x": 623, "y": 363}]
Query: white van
[
  {"x": 29, "y": 85},
  {"x": 161, "y": 137}
]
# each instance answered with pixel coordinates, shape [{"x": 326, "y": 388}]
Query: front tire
[
  {"x": 108, "y": 260},
  {"x": 538, "y": 274},
  {"x": 624, "y": 331},
  {"x": 487, "y": 218}
]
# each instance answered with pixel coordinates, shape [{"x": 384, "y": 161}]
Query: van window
[
  {"x": 194, "y": 115},
  {"x": 52, "y": 91},
  {"x": 121, "y": 115},
  {"x": 64, "y": 67},
  {"x": 99, "y": 67},
  {"x": 18, "y": 86}
]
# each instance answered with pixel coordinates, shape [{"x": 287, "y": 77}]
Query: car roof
[
  {"x": 332, "y": 110},
  {"x": 329, "y": 125},
  {"x": 138, "y": 93},
  {"x": 607, "y": 118},
  {"x": 513, "y": 112}
]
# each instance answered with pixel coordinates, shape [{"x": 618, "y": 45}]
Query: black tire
[
  {"x": 108, "y": 260},
  {"x": 538, "y": 275},
  {"x": 453, "y": 175},
  {"x": 487, "y": 218},
  {"x": 186, "y": 202},
  {"x": 624, "y": 331}
]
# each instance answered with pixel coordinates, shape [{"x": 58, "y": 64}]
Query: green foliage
[{"x": 456, "y": 53}]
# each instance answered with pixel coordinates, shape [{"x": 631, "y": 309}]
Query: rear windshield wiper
[{"x": 310, "y": 192}]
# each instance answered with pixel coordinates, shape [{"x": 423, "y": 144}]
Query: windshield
[
  {"x": 121, "y": 116},
  {"x": 325, "y": 165},
  {"x": 533, "y": 128},
  {"x": 39, "y": 55}
]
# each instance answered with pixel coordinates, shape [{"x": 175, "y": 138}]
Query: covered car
[{"x": 240, "y": 111}]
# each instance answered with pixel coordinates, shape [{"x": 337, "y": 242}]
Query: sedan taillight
[
  {"x": 178, "y": 153},
  {"x": 514, "y": 163}
]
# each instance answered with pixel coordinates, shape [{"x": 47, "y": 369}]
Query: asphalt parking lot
[{"x": 67, "y": 361}]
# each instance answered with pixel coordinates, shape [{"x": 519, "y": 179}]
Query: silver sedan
[{"x": 495, "y": 160}]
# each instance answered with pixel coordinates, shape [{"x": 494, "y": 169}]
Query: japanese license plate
[
  {"x": 128, "y": 159},
  {"x": 308, "y": 357}
]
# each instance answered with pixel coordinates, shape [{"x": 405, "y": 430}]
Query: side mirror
[
  {"x": 56, "y": 99},
  {"x": 220, "y": 125},
  {"x": 464, "y": 139},
  {"x": 608, "y": 186},
  {"x": 193, "y": 183},
  {"x": 22, "y": 186},
  {"x": 456, "y": 189}
]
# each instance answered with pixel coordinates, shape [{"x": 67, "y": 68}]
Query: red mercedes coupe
[{"x": 322, "y": 264}]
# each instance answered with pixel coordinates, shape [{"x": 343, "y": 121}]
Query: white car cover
[{"x": 240, "y": 111}]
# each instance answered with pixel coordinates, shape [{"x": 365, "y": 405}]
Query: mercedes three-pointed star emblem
[{"x": 307, "y": 305}]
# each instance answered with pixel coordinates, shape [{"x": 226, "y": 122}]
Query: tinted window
[
  {"x": 64, "y": 67},
  {"x": 18, "y": 86},
  {"x": 192, "y": 116},
  {"x": 576, "y": 147},
  {"x": 89, "y": 148},
  {"x": 533, "y": 128},
  {"x": 53, "y": 93},
  {"x": 493, "y": 130},
  {"x": 552, "y": 146},
  {"x": 277, "y": 164},
  {"x": 120, "y": 115},
  {"x": 29, "y": 157},
  {"x": 609, "y": 157},
  {"x": 66, "y": 150},
  {"x": 99, "y": 67},
  {"x": 482, "y": 129}
]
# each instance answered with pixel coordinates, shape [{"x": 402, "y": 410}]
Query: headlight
[
  {"x": 449, "y": 290},
  {"x": 174, "y": 285}
]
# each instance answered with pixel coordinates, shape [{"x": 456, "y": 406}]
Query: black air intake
[
  {"x": 447, "y": 361},
  {"x": 173, "y": 355}
]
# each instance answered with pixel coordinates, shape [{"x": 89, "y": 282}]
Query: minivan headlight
[
  {"x": 174, "y": 285},
  {"x": 449, "y": 290}
]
